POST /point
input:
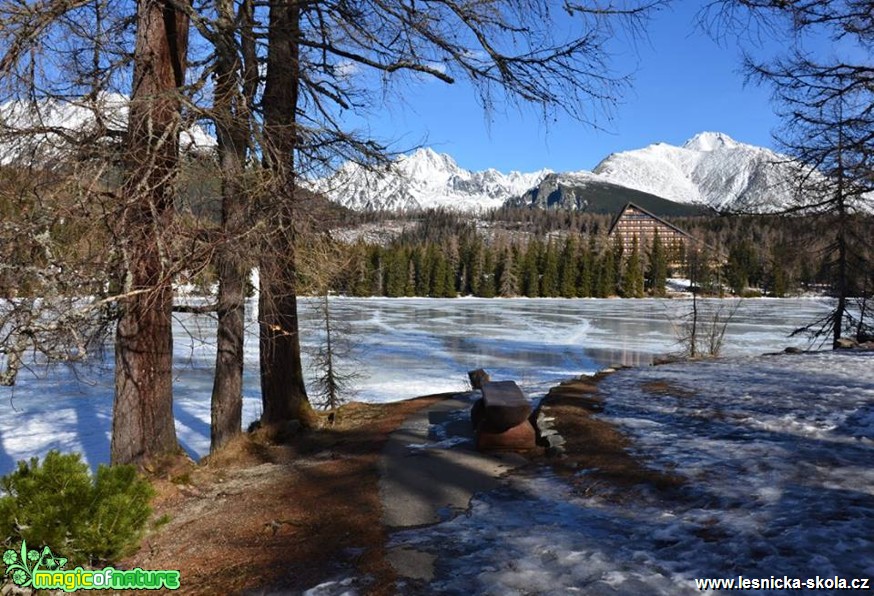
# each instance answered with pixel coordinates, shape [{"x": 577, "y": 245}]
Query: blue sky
[{"x": 684, "y": 82}]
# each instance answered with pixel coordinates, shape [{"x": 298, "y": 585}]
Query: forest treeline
[
  {"x": 541, "y": 253},
  {"x": 502, "y": 253}
]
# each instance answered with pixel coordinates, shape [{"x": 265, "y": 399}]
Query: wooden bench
[{"x": 500, "y": 418}]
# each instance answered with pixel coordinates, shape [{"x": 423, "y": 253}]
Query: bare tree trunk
[
  {"x": 842, "y": 273},
  {"x": 282, "y": 384},
  {"x": 232, "y": 118},
  {"x": 142, "y": 423}
]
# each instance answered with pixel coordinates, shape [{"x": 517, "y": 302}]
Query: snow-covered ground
[
  {"x": 778, "y": 453},
  {"x": 405, "y": 347}
]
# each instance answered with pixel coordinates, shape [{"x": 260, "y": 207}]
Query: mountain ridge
[
  {"x": 710, "y": 170},
  {"x": 421, "y": 180}
]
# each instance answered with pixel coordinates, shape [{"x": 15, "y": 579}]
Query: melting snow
[
  {"x": 779, "y": 457},
  {"x": 778, "y": 451}
]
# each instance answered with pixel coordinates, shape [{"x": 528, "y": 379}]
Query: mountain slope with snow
[
  {"x": 422, "y": 180},
  {"x": 585, "y": 191},
  {"x": 710, "y": 168},
  {"x": 38, "y": 132}
]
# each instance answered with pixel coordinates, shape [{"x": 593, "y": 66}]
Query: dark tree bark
[
  {"x": 505, "y": 49},
  {"x": 231, "y": 114},
  {"x": 283, "y": 391},
  {"x": 142, "y": 424}
]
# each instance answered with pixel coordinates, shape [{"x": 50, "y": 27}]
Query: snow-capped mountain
[
  {"x": 711, "y": 168},
  {"x": 422, "y": 180},
  {"x": 46, "y": 129},
  {"x": 585, "y": 191}
]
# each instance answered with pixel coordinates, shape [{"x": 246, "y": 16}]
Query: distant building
[{"x": 634, "y": 221}]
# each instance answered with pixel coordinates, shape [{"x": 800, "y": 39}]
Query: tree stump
[{"x": 501, "y": 418}]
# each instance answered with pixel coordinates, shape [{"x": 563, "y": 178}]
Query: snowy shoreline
[{"x": 777, "y": 453}]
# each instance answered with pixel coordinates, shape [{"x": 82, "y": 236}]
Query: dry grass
[
  {"x": 597, "y": 447},
  {"x": 280, "y": 517}
]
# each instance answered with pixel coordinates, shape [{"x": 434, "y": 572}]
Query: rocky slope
[{"x": 423, "y": 180}]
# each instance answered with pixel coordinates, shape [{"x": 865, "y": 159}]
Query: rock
[
  {"x": 518, "y": 438},
  {"x": 555, "y": 440},
  {"x": 791, "y": 350},
  {"x": 478, "y": 378},
  {"x": 845, "y": 343},
  {"x": 557, "y": 451},
  {"x": 505, "y": 406},
  {"x": 476, "y": 413}
]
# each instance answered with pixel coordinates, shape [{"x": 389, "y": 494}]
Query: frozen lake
[{"x": 405, "y": 348}]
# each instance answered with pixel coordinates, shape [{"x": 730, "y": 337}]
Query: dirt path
[
  {"x": 263, "y": 518},
  {"x": 279, "y": 519},
  {"x": 425, "y": 479}
]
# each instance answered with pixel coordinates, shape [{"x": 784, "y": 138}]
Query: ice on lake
[{"x": 403, "y": 348}]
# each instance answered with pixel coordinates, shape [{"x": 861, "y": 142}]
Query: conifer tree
[
  {"x": 410, "y": 287},
  {"x": 826, "y": 105},
  {"x": 568, "y": 268},
  {"x": 606, "y": 275},
  {"x": 420, "y": 284},
  {"x": 587, "y": 271},
  {"x": 618, "y": 249},
  {"x": 486, "y": 287},
  {"x": 507, "y": 280},
  {"x": 632, "y": 283},
  {"x": 742, "y": 262},
  {"x": 549, "y": 278},
  {"x": 439, "y": 274},
  {"x": 658, "y": 266},
  {"x": 450, "y": 277},
  {"x": 531, "y": 270}
]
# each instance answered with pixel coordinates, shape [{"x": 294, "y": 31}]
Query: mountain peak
[
  {"x": 426, "y": 179},
  {"x": 710, "y": 141}
]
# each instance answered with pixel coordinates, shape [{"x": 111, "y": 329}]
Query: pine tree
[
  {"x": 606, "y": 273},
  {"x": 507, "y": 280},
  {"x": 486, "y": 287},
  {"x": 658, "y": 266},
  {"x": 618, "y": 250},
  {"x": 395, "y": 272},
  {"x": 450, "y": 278},
  {"x": 474, "y": 267},
  {"x": 410, "y": 286},
  {"x": 568, "y": 268},
  {"x": 632, "y": 283},
  {"x": 375, "y": 267},
  {"x": 531, "y": 270},
  {"x": 437, "y": 285},
  {"x": 361, "y": 278},
  {"x": 587, "y": 272},
  {"x": 549, "y": 270}
]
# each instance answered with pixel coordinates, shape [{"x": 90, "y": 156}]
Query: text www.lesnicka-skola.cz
[{"x": 783, "y": 583}]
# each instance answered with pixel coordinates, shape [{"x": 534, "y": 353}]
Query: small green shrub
[{"x": 59, "y": 504}]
